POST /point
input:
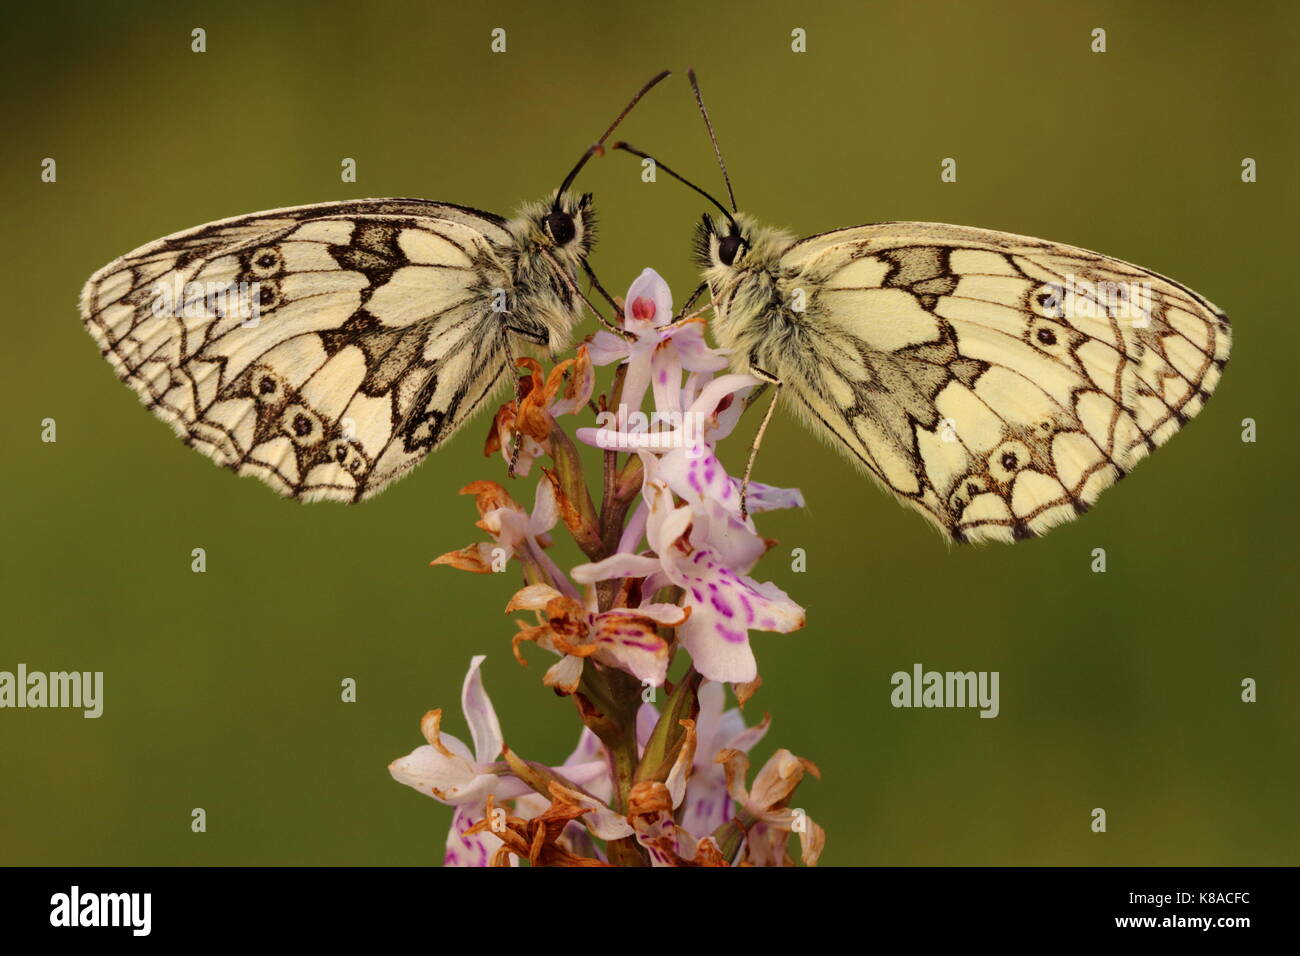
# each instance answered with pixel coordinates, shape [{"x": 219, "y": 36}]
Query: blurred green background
[{"x": 1119, "y": 690}]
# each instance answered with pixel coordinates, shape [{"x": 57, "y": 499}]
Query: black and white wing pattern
[
  {"x": 324, "y": 349},
  {"x": 997, "y": 383}
]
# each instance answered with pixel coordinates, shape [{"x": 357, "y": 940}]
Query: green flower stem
[{"x": 608, "y": 701}]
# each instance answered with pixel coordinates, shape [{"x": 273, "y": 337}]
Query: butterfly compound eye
[
  {"x": 560, "y": 227},
  {"x": 728, "y": 249}
]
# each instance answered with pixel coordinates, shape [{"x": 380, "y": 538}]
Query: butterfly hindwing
[
  {"x": 325, "y": 349},
  {"x": 998, "y": 383}
]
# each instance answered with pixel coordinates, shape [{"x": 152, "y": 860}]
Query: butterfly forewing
[
  {"x": 325, "y": 349},
  {"x": 998, "y": 383}
]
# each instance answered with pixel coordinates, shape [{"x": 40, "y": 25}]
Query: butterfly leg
[
  {"x": 591, "y": 274},
  {"x": 686, "y": 309},
  {"x": 613, "y": 303},
  {"x": 516, "y": 441},
  {"x": 769, "y": 379}
]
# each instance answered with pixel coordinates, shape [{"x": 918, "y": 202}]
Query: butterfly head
[
  {"x": 728, "y": 244},
  {"x": 721, "y": 241},
  {"x": 565, "y": 226}
]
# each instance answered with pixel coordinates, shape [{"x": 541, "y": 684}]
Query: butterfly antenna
[
  {"x": 628, "y": 148},
  {"x": 713, "y": 138},
  {"x": 599, "y": 145}
]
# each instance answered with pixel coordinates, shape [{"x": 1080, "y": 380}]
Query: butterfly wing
[
  {"x": 325, "y": 349},
  {"x": 997, "y": 383}
]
